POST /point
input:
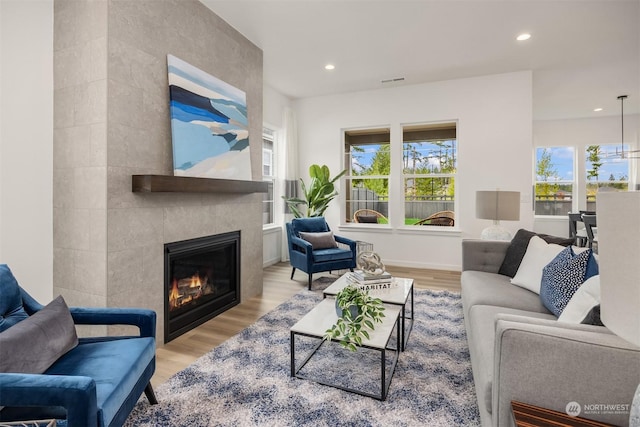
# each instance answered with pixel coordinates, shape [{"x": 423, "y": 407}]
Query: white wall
[
  {"x": 273, "y": 107},
  {"x": 26, "y": 143},
  {"x": 494, "y": 115},
  {"x": 581, "y": 133}
]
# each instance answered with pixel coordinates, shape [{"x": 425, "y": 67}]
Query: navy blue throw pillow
[{"x": 562, "y": 277}]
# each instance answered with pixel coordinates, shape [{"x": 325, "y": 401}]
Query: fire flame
[
  {"x": 195, "y": 282},
  {"x": 174, "y": 294},
  {"x": 191, "y": 289}
]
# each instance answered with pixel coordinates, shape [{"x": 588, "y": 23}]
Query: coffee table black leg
[
  {"x": 403, "y": 333},
  {"x": 406, "y": 331},
  {"x": 292, "y": 344},
  {"x": 383, "y": 365}
]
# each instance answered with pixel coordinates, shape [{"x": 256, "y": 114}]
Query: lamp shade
[
  {"x": 618, "y": 255},
  {"x": 498, "y": 205}
]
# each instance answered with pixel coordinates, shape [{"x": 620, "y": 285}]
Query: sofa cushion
[
  {"x": 311, "y": 225},
  {"x": 539, "y": 254},
  {"x": 332, "y": 254},
  {"x": 115, "y": 365},
  {"x": 561, "y": 278},
  {"x": 582, "y": 305},
  {"x": 322, "y": 240},
  {"x": 482, "y": 320},
  {"x": 479, "y": 287},
  {"x": 518, "y": 247},
  {"x": 11, "y": 310},
  {"x": 34, "y": 344}
]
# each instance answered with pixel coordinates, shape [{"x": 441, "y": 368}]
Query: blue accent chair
[
  {"x": 303, "y": 257},
  {"x": 97, "y": 383}
]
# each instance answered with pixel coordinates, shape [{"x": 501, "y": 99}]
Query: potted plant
[
  {"x": 357, "y": 312},
  {"x": 317, "y": 194}
]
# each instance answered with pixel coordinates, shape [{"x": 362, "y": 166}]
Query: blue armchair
[
  {"x": 96, "y": 383},
  {"x": 303, "y": 256}
]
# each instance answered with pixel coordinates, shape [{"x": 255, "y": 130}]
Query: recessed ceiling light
[
  {"x": 523, "y": 37},
  {"x": 329, "y": 67},
  {"x": 597, "y": 109}
]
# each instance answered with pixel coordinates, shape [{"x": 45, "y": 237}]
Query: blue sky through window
[
  {"x": 562, "y": 161},
  {"x": 430, "y": 154}
]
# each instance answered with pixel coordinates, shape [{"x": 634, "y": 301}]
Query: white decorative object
[
  {"x": 370, "y": 263},
  {"x": 618, "y": 247},
  {"x": 619, "y": 262}
]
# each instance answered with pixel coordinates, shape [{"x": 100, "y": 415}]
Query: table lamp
[
  {"x": 618, "y": 249},
  {"x": 498, "y": 206}
]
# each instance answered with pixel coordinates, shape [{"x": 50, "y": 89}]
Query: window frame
[
  {"x": 269, "y": 134},
  {"x": 580, "y": 181},
  {"x": 590, "y": 205},
  {"x": 429, "y": 132},
  {"x": 575, "y": 189},
  {"x": 364, "y": 136}
]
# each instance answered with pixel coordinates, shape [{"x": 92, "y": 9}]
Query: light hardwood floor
[{"x": 185, "y": 349}]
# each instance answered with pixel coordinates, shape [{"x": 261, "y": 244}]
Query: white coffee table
[
  {"x": 322, "y": 317},
  {"x": 400, "y": 294}
]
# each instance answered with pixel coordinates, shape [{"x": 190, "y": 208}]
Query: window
[
  {"x": 268, "y": 175},
  {"x": 368, "y": 164},
  {"x": 556, "y": 187},
  {"x": 554, "y": 180},
  {"x": 429, "y": 154},
  {"x": 605, "y": 171}
]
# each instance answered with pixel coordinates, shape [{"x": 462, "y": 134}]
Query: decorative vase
[{"x": 354, "y": 310}]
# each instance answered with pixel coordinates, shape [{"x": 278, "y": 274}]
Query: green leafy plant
[
  {"x": 317, "y": 195},
  {"x": 360, "y": 312}
]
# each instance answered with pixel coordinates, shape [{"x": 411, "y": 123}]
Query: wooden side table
[{"x": 526, "y": 415}]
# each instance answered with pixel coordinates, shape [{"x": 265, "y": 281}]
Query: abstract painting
[{"x": 209, "y": 125}]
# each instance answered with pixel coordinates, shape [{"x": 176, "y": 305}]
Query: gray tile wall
[{"x": 112, "y": 121}]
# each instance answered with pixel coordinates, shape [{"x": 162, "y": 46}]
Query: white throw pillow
[
  {"x": 582, "y": 302},
  {"x": 539, "y": 254}
]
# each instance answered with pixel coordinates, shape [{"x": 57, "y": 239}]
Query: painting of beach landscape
[{"x": 209, "y": 125}]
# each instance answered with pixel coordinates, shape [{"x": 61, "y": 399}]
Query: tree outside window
[
  {"x": 554, "y": 180},
  {"x": 605, "y": 172},
  {"x": 368, "y": 164},
  {"x": 429, "y": 170}
]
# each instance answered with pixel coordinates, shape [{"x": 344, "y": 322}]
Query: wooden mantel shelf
[{"x": 186, "y": 184}]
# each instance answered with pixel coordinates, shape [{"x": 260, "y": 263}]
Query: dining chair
[
  {"x": 576, "y": 232},
  {"x": 591, "y": 227}
]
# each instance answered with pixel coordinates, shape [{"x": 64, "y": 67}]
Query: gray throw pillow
[
  {"x": 32, "y": 345},
  {"x": 324, "y": 240}
]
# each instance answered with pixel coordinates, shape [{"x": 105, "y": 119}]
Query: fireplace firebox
[{"x": 202, "y": 280}]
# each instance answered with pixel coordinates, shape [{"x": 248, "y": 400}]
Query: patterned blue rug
[{"x": 245, "y": 381}]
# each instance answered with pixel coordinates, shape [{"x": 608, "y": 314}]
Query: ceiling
[{"x": 583, "y": 54}]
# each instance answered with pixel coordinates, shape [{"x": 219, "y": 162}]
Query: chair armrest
[
  {"x": 297, "y": 241},
  {"x": 345, "y": 241},
  {"x": 553, "y": 365},
  {"x": 76, "y": 394},
  {"x": 144, "y": 319},
  {"x": 483, "y": 255}
]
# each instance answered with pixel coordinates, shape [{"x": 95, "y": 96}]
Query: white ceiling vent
[{"x": 396, "y": 80}]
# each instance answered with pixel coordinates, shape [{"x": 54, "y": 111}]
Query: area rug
[{"x": 246, "y": 380}]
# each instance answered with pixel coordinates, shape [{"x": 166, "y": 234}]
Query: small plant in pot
[{"x": 357, "y": 313}]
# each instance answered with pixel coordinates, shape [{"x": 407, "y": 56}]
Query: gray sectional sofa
[{"x": 519, "y": 351}]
